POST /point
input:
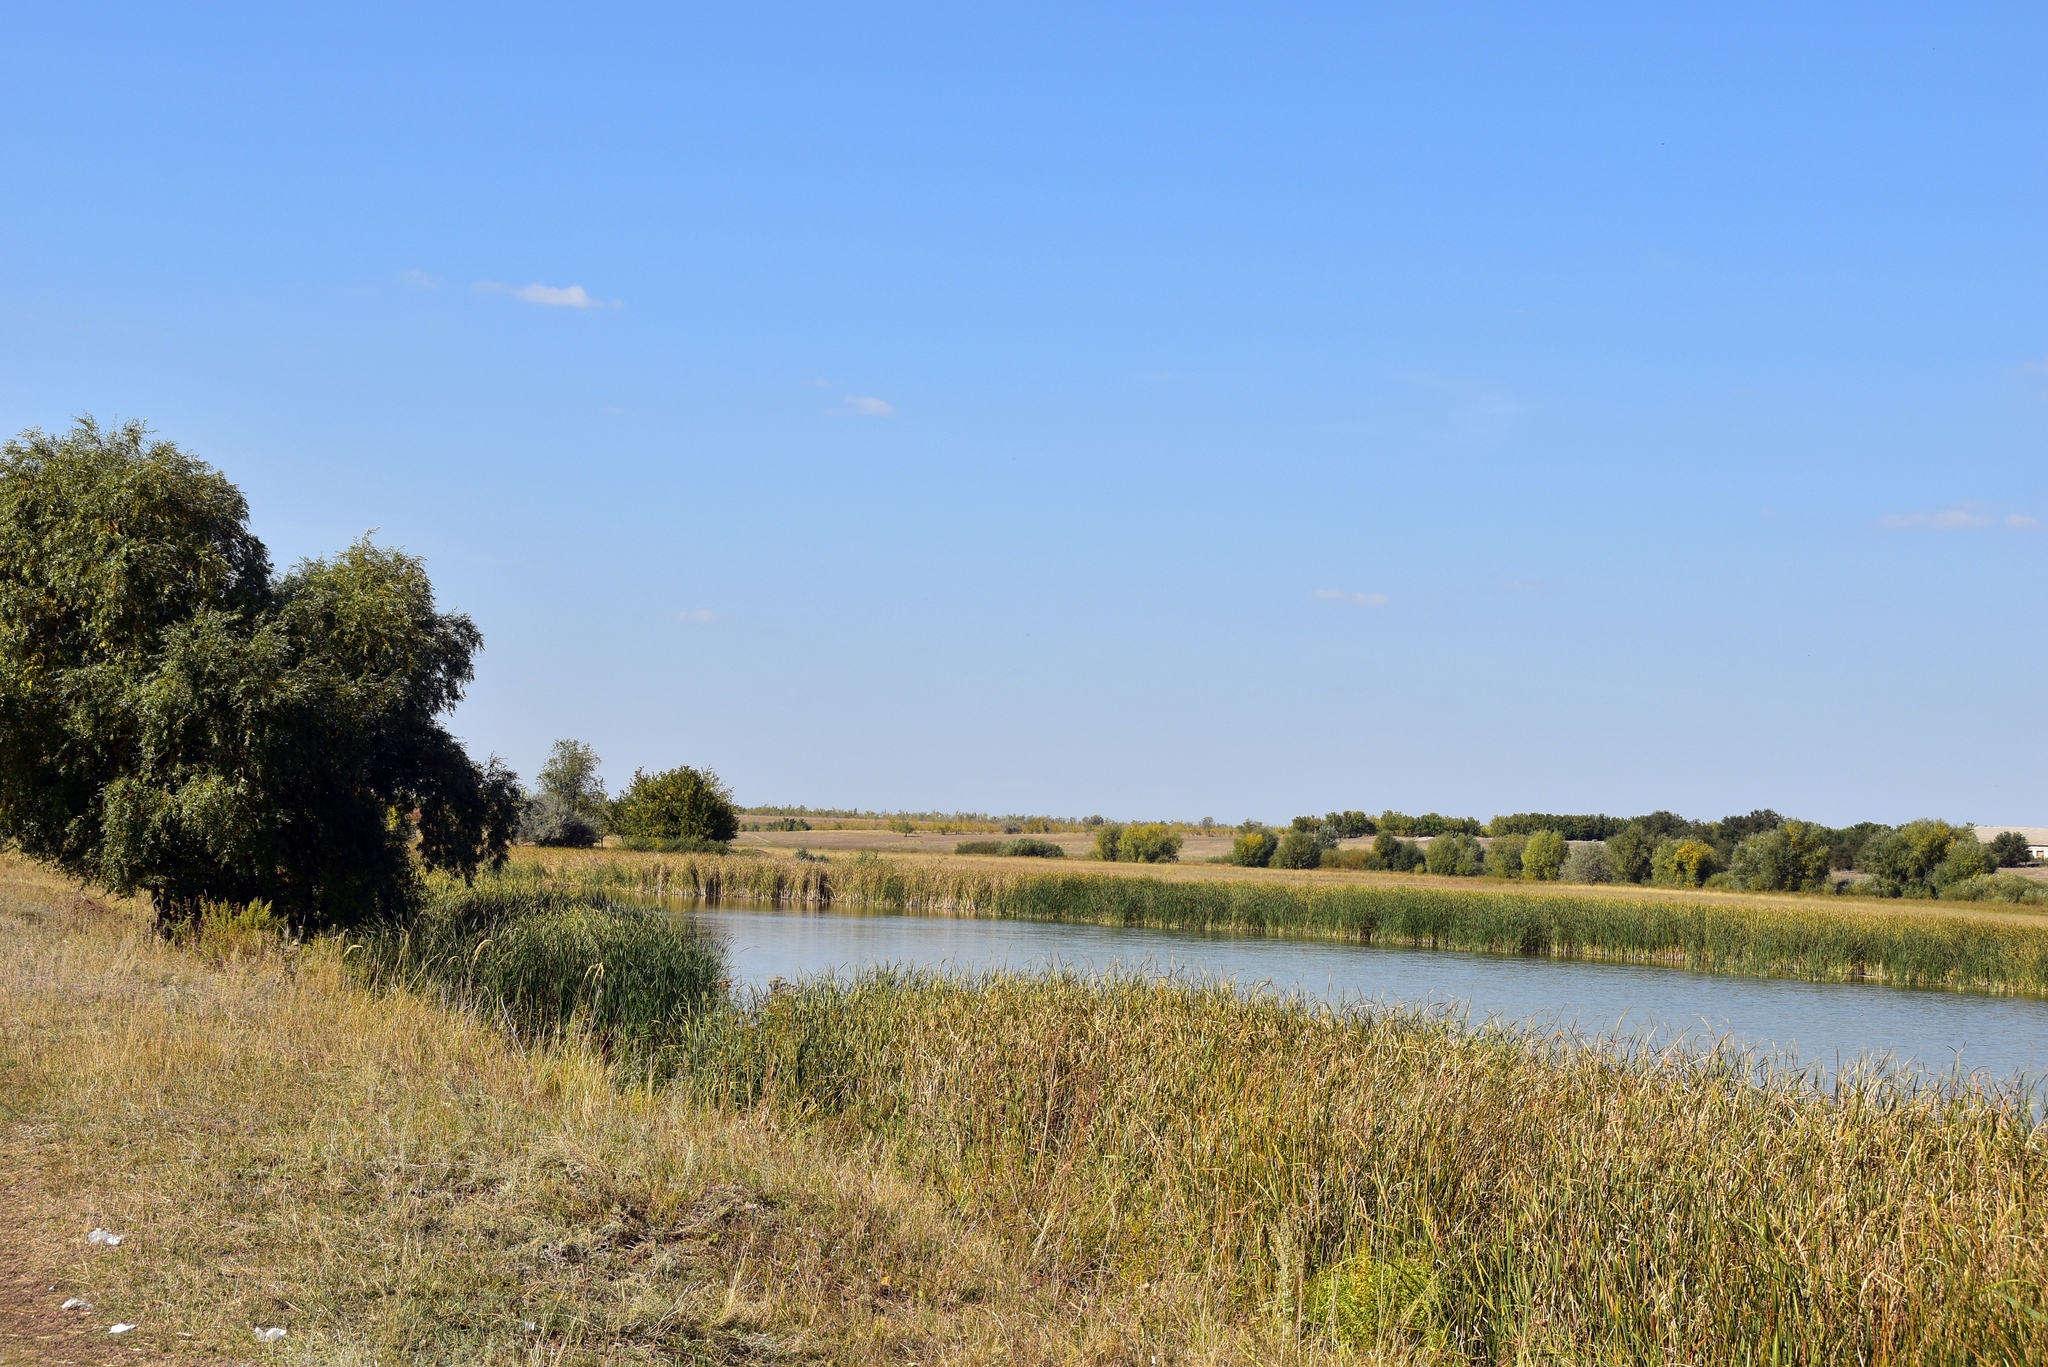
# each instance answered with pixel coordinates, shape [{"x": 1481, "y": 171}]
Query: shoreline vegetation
[
  {"x": 1922, "y": 944},
  {"x": 426, "y": 1164}
]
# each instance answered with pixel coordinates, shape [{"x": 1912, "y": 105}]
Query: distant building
[{"x": 2037, "y": 837}]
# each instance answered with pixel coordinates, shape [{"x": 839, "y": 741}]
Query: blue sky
[{"x": 1172, "y": 410}]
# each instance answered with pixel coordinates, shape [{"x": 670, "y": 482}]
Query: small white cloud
[
  {"x": 700, "y": 615},
  {"x": 2020, "y": 522},
  {"x": 1963, "y": 517},
  {"x": 866, "y": 406},
  {"x": 418, "y": 280},
  {"x": 549, "y": 296},
  {"x": 1357, "y": 600}
]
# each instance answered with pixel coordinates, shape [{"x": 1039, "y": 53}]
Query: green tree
[
  {"x": 1631, "y": 854},
  {"x": 1149, "y": 843},
  {"x": 2009, "y": 849},
  {"x": 1793, "y": 857},
  {"x": 1543, "y": 858},
  {"x": 1254, "y": 849},
  {"x": 1108, "y": 840},
  {"x": 1682, "y": 863},
  {"x": 1298, "y": 849},
  {"x": 1392, "y": 853},
  {"x": 1458, "y": 855},
  {"x": 1587, "y": 863},
  {"x": 1914, "y": 860},
  {"x": 569, "y": 809},
  {"x": 680, "y": 806},
  {"x": 1504, "y": 855},
  {"x": 175, "y": 722}
]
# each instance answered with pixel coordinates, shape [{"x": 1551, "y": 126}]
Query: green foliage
[
  {"x": 1030, "y": 847},
  {"x": 1148, "y": 843},
  {"x": 1429, "y": 823},
  {"x": 1363, "y": 1301},
  {"x": 979, "y": 847},
  {"x": 1297, "y": 849},
  {"x": 1543, "y": 858},
  {"x": 569, "y": 809},
  {"x": 1631, "y": 854},
  {"x": 1683, "y": 863},
  {"x": 1454, "y": 856},
  {"x": 1254, "y": 849},
  {"x": 543, "y": 961},
  {"x": 1587, "y": 863},
  {"x": 1997, "y": 887},
  {"x": 1108, "y": 840},
  {"x": 1349, "y": 825},
  {"x": 1921, "y": 857},
  {"x": 1393, "y": 854},
  {"x": 2009, "y": 849},
  {"x": 1504, "y": 855},
  {"x": 1793, "y": 857},
  {"x": 1570, "y": 827},
  {"x": 676, "y": 805},
  {"x": 175, "y": 722}
]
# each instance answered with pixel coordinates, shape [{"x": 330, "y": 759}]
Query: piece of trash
[
  {"x": 270, "y": 1335},
  {"x": 75, "y": 1304},
  {"x": 101, "y": 1236},
  {"x": 529, "y": 1326},
  {"x": 120, "y": 1329}
]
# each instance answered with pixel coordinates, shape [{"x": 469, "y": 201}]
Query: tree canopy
[
  {"x": 175, "y": 721},
  {"x": 680, "y": 806}
]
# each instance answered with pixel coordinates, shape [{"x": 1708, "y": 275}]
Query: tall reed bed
[
  {"x": 1816, "y": 941},
  {"x": 542, "y": 960},
  {"x": 1399, "y": 1181}
]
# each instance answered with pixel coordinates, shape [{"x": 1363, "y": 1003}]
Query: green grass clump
[
  {"x": 1396, "y": 1180},
  {"x": 543, "y": 961}
]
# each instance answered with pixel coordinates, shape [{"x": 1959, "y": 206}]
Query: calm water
[{"x": 1825, "y": 1023}]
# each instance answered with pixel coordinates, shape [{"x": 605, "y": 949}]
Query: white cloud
[
  {"x": 418, "y": 280},
  {"x": 1357, "y": 600},
  {"x": 2020, "y": 522},
  {"x": 700, "y": 615},
  {"x": 865, "y": 406},
  {"x": 549, "y": 296},
  {"x": 1963, "y": 517}
]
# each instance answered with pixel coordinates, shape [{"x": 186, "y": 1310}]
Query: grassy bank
[
  {"x": 1392, "y": 1181},
  {"x": 1819, "y": 939}
]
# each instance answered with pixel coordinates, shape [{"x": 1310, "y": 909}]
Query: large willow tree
[{"x": 176, "y": 721}]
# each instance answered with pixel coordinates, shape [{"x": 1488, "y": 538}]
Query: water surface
[{"x": 1824, "y": 1024}]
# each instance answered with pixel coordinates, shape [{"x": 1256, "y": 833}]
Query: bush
[
  {"x": 1298, "y": 850},
  {"x": 1455, "y": 856},
  {"x": 548, "y": 820},
  {"x": 1792, "y": 858},
  {"x": 1683, "y": 863},
  {"x": 1108, "y": 840},
  {"x": 1544, "y": 856},
  {"x": 1149, "y": 843},
  {"x": 1504, "y": 855},
  {"x": 979, "y": 847},
  {"x": 676, "y": 805},
  {"x": 1032, "y": 848},
  {"x": 1996, "y": 887},
  {"x": 569, "y": 809},
  {"x": 2009, "y": 849},
  {"x": 1394, "y": 854},
  {"x": 1587, "y": 863},
  {"x": 1254, "y": 849},
  {"x": 1920, "y": 858}
]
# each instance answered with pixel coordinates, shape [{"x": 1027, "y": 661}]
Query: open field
[
  {"x": 903, "y": 1170},
  {"x": 1819, "y": 938}
]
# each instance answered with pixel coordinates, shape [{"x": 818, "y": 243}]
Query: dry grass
[{"x": 392, "y": 1181}]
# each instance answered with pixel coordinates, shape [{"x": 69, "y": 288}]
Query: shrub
[
  {"x": 979, "y": 847},
  {"x": 1504, "y": 855},
  {"x": 1543, "y": 857},
  {"x": 1254, "y": 849},
  {"x": 569, "y": 809},
  {"x": 1108, "y": 840},
  {"x": 1149, "y": 843},
  {"x": 681, "y": 804},
  {"x": 1298, "y": 849},
  {"x": 2009, "y": 849},
  {"x": 1394, "y": 854},
  {"x": 1455, "y": 856},
  {"x": 548, "y": 820},
  {"x": 1996, "y": 887},
  {"x": 1032, "y": 848},
  {"x": 1364, "y": 1301},
  {"x": 1916, "y": 859},
  {"x": 1587, "y": 863},
  {"x": 1792, "y": 858},
  {"x": 1683, "y": 863}
]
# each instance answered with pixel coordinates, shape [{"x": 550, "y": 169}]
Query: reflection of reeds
[
  {"x": 1391, "y": 1178},
  {"x": 1808, "y": 940}
]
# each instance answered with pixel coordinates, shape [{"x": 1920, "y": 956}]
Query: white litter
[
  {"x": 75, "y": 1304},
  {"x": 270, "y": 1335},
  {"x": 529, "y": 1326},
  {"x": 120, "y": 1329},
  {"x": 101, "y": 1236}
]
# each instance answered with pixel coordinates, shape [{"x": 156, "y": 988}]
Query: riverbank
[{"x": 1927, "y": 944}]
